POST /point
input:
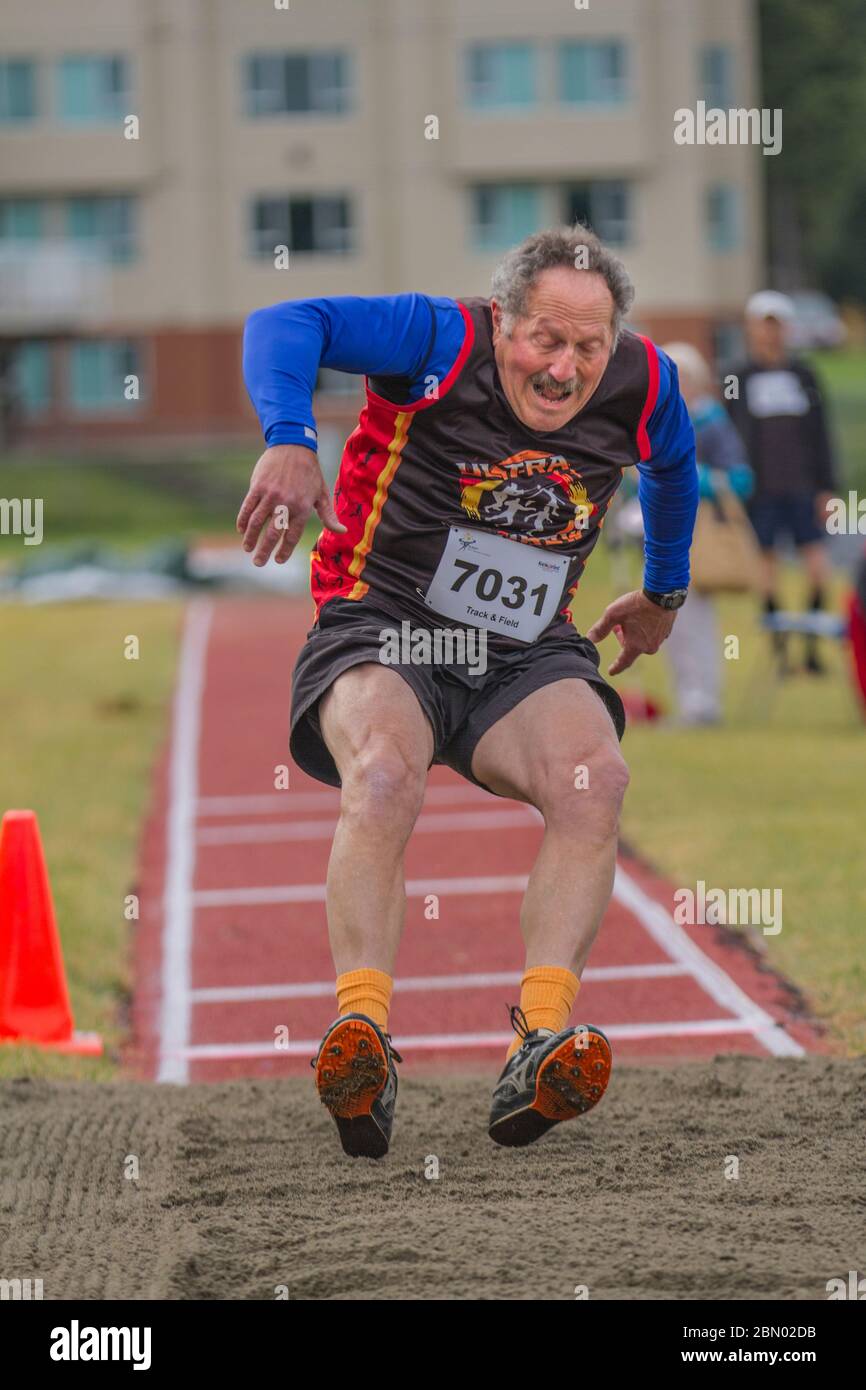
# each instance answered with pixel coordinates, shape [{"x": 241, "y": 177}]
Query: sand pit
[{"x": 243, "y": 1187}]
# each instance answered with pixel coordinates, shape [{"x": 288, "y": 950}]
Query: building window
[
  {"x": 92, "y": 89},
  {"x": 503, "y": 213},
  {"x": 31, "y": 375},
  {"x": 98, "y": 372},
  {"x": 17, "y": 90},
  {"x": 592, "y": 73},
  {"x": 106, "y": 225},
  {"x": 321, "y": 224},
  {"x": 500, "y": 75},
  {"x": 722, "y": 217},
  {"x": 602, "y": 204},
  {"x": 717, "y": 76},
  {"x": 291, "y": 84},
  {"x": 728, "y": 344},
  {"x": 20, "y": 219}
]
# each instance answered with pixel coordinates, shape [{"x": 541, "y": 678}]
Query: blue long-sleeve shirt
[{"x": 403, "y": 344}]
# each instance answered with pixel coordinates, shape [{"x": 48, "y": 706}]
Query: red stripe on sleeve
[{"x": 644, "y": 447}]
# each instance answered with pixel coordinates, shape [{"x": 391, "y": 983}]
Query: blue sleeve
[
  {"x": 668, "y": 486},
  {"x": 411, "y": 336}
]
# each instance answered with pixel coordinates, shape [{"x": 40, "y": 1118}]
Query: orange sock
[
  {"x": 547, "y": 995},
  {"x": 365, "y": 992}
]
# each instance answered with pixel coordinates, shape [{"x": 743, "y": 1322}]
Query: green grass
[
  {"x": 125, "y": 505},
  {"x": 127, "y": 502},
  {"x": 774, "y": 798},
  {"x": 80, "y": 727},
  {"x": 843, "y": 375}
]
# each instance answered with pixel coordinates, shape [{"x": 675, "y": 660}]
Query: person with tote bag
[{"x": 724, "y": 555}]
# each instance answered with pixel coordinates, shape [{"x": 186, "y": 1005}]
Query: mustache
[{"x": 548, "y": 383}]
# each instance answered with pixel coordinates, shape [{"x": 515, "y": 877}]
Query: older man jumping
[{"x": 469, "y": 498}]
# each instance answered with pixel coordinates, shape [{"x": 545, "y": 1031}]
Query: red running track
[{"x": 233, "y": 972}]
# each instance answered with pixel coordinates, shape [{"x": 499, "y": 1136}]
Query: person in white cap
[{"x": 779, "y": 413}]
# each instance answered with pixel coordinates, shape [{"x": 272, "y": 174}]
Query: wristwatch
[{"x": 675, "y": 598}]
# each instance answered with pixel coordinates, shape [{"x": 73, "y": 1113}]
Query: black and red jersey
[{"x": 462, "y": 457}]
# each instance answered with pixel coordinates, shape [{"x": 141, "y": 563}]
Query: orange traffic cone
[{"x": 34, "y": 1000}]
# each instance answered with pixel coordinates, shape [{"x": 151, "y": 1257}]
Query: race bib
[{"x": 488, "y": 581}]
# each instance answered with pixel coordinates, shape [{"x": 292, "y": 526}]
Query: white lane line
[
  {"x": 319, "y": 989},
  {"x": 315, "y": 892},
  {"x": 177, "y": 920},
  {"x": 711, "y": 977},
  {"x": 431, "y": 823},
  {"x": 652, "y": 916},
  {"x": 622, "y": 1032},
  {"x": 285, "y": 802}
]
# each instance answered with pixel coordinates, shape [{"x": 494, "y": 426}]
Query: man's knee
[
  {"x": 584, "y": 791},
  {"x": 384, "y": 783}
]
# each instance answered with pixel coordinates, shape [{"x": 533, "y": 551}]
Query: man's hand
[
  {"x": 287, "y": 477},
  {"x": 639, "y": 624}
]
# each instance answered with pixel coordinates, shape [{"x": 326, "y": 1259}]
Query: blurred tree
[{"x": 813, "y": 59}]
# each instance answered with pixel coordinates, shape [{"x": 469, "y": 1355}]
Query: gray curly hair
[{"x": 577, "y": 247}]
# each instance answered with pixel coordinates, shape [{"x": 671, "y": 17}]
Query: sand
[{"x": 242, "y": 1188}]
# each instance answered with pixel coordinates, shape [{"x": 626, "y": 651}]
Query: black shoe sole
[
  {"x": 520, "y": 1128},
  {"x": 361, "y": 1137}
]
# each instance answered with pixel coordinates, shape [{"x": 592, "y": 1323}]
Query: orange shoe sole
[
  {"x": 570, "y": 1081},
  {"x": 351, "y": 1072},
  {"x": 574, "y": 1077}
]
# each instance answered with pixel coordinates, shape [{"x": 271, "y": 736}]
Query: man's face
[
  {"x": 766, "y": 339},
  {"x": 557, "y": 353}
]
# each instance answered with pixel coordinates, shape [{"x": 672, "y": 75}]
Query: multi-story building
[{"x": 155, "y": 155}]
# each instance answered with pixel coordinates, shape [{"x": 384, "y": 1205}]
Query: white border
[{"x": 177, "y": 924}]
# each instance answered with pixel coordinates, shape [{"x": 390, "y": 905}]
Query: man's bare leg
[
  {"x": 769, "y": 579},
  {"x": 816, "y": 564},
  {"x": 817, "y": 567},
  {"x": 768, "y": 574},
  {"x": 544, "y": 751},
  {"x": 382, "y": 744},
  {"x": 557, "y": 750}
]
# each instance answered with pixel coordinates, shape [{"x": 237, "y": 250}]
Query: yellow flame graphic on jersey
[{"x": 470, "y": 497}]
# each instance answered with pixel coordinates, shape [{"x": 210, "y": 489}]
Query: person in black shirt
[{"x": 779, "y": 414}]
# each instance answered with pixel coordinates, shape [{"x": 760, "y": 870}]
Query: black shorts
[
  {"x": 460, "y": 706},
  {"x": 773, "y": 518}
]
